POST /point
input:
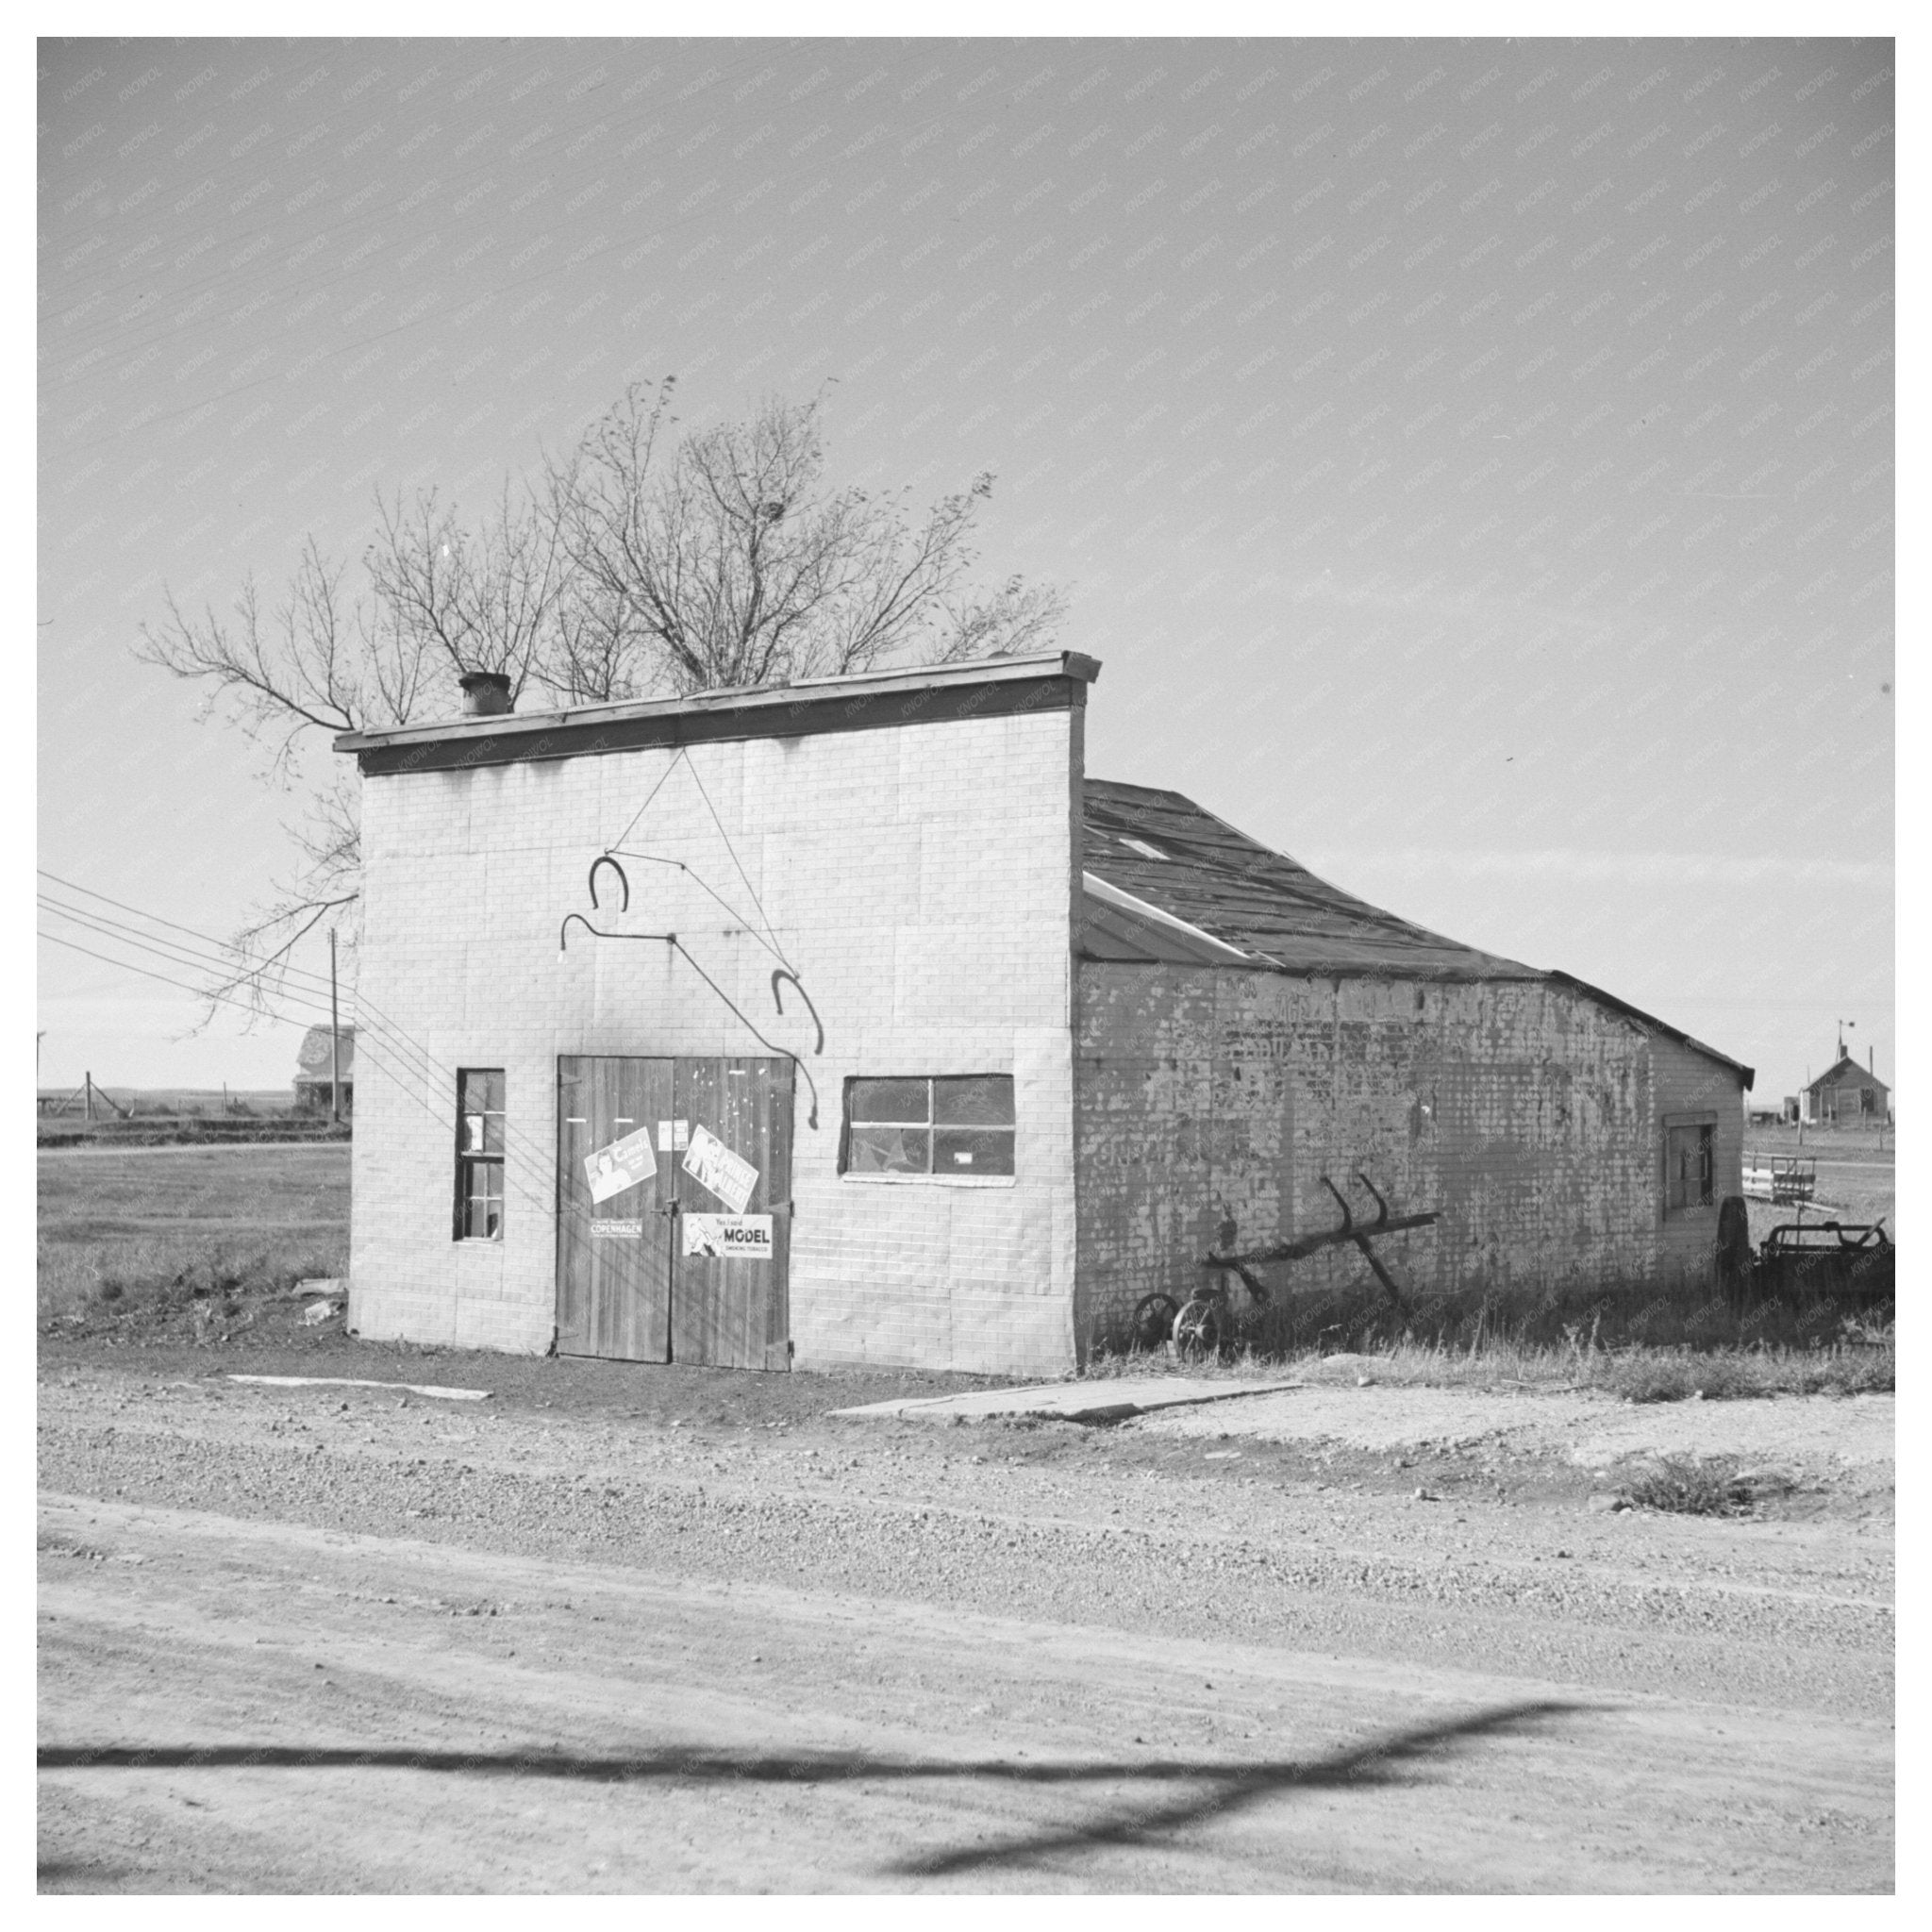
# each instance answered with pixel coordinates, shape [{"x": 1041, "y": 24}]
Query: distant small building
[
  {"x": 312, "y": 1070},
  {"x": 1845, "y": 1094}
]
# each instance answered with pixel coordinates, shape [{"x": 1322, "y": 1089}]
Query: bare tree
[
  {"x": 440, "y": 599},
  {"x": 732, "y": 562},
  {"x": 637, "y": 565}
]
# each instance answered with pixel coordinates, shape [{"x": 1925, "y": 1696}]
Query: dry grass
[
  {"x": 190, "y": 1244},
  {"x": 1639, "y": 1346},
  {"x": 152, "y": 1289},
  {"x": 1851, "y": 1367}
]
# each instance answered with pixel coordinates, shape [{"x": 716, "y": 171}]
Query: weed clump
[
  {"x": 154, "y": 1289},
  {"x": 1653, "y": 1376},
  {"x": 1691, "y": 1485}
]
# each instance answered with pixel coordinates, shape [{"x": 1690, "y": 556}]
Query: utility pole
[
  {"x": 335, "y": 1038},
  {"x": 89, "y": 1080}
]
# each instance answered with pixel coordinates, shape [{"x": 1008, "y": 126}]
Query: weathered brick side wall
[
  {"x": 1209, "y": 1103},
  {"x": 920, "y": 879}
]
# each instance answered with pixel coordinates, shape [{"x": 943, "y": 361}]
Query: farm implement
[{"x": 1206, "y": 1324}]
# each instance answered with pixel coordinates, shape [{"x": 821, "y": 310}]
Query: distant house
[
  {"x": 312, "y": 1070},
  {"x": 1846, "y": 1094}
]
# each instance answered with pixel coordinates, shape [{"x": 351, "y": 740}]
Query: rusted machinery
[
  {"x": 1854, "y": 1263},
  {"x": 1206, "y": 1322}
]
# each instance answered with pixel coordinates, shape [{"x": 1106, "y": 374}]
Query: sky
[{"x": 1472, "y": 461}]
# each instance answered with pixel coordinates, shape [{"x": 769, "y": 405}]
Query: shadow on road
[
  {"x": 1224, "y": 1788},
  {"x": 1218, "y": 1787}
]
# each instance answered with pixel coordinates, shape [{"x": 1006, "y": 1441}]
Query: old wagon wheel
[
  {"x": 1197, "y": 1331},
  {"x": 1153, "y": 1321}
]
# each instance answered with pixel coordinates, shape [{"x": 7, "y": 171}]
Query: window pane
[
  {"x": 902, "y": 1101},
  {"x": 479, "y": 1108},
  {"x": 481, "y": 1089},
  {"x": 889, "y": 1150},
  {"x": 973, "y": 1150},
  {"x": 483, "y": 1200},
  {"x": 974, "y": 1100}
]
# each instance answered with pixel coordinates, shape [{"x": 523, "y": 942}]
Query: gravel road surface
[{"x": 348, "y": 1640}]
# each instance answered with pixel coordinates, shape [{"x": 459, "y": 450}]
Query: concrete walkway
[{"x": 1076, "y": 1402}]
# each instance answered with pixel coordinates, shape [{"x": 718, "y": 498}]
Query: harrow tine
[
  {"x": 1347, "y": 1226},
  {"x": 1381, "y": 1205}
]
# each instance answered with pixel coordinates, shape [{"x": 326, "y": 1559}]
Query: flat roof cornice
[{"x": 987, "y": 688}]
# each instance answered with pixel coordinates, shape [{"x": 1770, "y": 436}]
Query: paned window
[
  {"x": 479, "y": 1154},
  {"x": 1690, "y": 1168},
  {"x": 930, "y": 1124}
]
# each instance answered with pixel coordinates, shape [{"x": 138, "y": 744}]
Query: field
[
  {"x": 1427, "y": 1621},
  {"x": 144, "y": 1237},
  {"x": 1857, "y": 1174},
  {"x": 207, "y": 1242}
]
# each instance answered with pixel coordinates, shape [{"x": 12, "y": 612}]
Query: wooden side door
[
  {"x": 732, "y": 1310},
  {"x": 613, "y": 1257}
]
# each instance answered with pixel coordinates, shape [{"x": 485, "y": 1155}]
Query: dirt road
[{"x": 341, "y": 1639}]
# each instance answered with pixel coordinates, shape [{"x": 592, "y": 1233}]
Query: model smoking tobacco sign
[
  {"x": 713, "y": 1165},
  {"x": 625, "y": 1163},
  {"x": 728, "y": 1237}
]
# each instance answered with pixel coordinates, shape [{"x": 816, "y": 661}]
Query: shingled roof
[
  {"x": 1167, "y": 881},
  {"x": 1169, "y": 852}
]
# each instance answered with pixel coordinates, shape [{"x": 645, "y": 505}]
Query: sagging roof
[
  {"x": 1167, "y": 881},
  {"x": 1168, "y": 851}
]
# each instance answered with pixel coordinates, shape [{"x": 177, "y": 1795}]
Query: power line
[
  {"x": 226, "y": 954},
  {"x": 371, "y": 1032},
  {"x": 529, "y": 1167},
  {"x": 116, "y": 928},
  {"x": 152, "y": 918}
]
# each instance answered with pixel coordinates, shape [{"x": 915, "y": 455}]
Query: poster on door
[
  {"x": 625, "y": 1163},
  {"x": 728, "y": 1237},
  {"x": 713, "y": 1165}
]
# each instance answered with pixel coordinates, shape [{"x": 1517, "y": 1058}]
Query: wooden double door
[{"x": 673, "y": 1264}]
